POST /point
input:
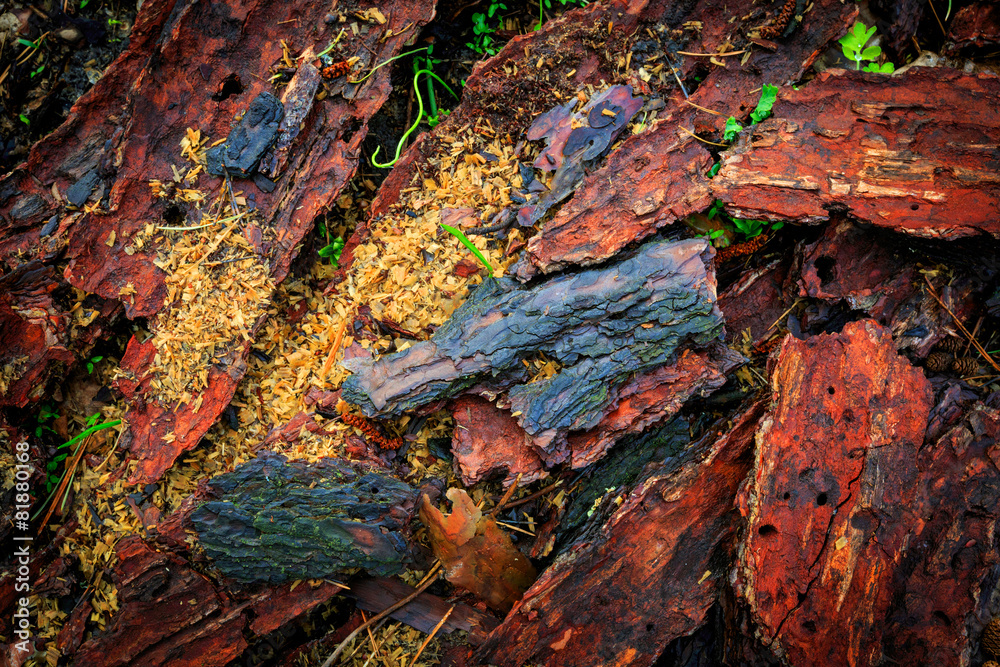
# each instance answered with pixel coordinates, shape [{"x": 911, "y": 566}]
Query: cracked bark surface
[{"x": 825, "y": 525}]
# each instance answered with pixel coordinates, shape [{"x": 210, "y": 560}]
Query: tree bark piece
[
  {"x": 826, "y": 502},
  {"x": 912, "y": 152},
  {"x": 275, "y": 521},
  {"x": 169, "y": 614},
  {"x": 645, "y": 577},
  {"x": 602, "y": 324}
]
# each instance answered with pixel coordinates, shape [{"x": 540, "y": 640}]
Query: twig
[
  {"x": 711, "y": 55},
  {"x": 536, "y": 494},
  {"x": 385, "y": 612},
  {"x": 680, "y": 127},
  {"x": 674, "y": 72},
  {"x": 940, "y": 25},
  {"x": 972, "y": 339},
  {"x": 507, "y": 495},
  {"x": 784, "y": 314},
  {"x": 337, "y": 340},
  {"x": 704, "y": 109},
  {"x": 431, "y": 635}
]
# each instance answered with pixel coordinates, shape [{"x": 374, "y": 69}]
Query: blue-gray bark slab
[
  {"x": 278, "y": 521},
  {"x": 591, "y": 322}
]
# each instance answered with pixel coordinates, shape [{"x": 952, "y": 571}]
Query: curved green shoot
[
  {"x": 420, "y": 117},
  {"x": 383, "y": 64}
]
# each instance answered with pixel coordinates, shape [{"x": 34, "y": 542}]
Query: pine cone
[
  {"x": 951, "y": 344},
  {"x": 990, "y": 639},
  {"x": 963, "y": 367},
  {"x": 939, "y": 362}
]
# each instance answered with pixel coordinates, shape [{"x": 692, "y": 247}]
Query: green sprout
[
  {"x": 768, "y": 96},
  {"x": 853, "y": 44},
  {"x": 24, "y": 119},
  {"x": 38, "y": 71},
  {"x": 331, "y": 251},
  {"x": 484, "y": 31},
  {"x": 548, "y": 5},
  {"x": 93, "y": 362},
  {"x": 420, "y": 116},
  {"x": 458, "y": 234}
]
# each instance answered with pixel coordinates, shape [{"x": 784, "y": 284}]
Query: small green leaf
[
  {"x": 768, "y": 95},
  {"x": 714, "y": 170},
  {"x": 24, "y": 119},
  {"x": 871, "y": 53},
  {"x": 732, "y": 129},
  {"x": 458, "y": 234},
  {"x": 775, "y": 226}
]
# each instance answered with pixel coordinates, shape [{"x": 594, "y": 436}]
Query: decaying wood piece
[
  {"x": 827, "y": 503},
  {"x": 275, "y": 521},
  {"x": 644, "y": 577},
  {"x": 602, "y": 325},
  {"x": 424, "y": 612},
  {"x": 915, "y": 152},
  {"x": 200, "y": 73}
]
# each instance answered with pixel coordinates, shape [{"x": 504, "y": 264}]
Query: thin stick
[
  {"x": 699, "y": 138},
  {"x": 431, "y": 635},
  {"x": 784, "y": 314},
  {"x": 506, "y": 496},
  {"x": 81, "y": 448},
  {"x": 711, "y": 55},
  {"x": 704, "y": 109},
  {"x": 975, "y": 343},
  {"x": 674, "y": 72},
  {"x": 337, "y": 340},
  {"x": 374, "y": 619},
  {"x": 518, "y": 529},
  {"x": 940, "y": 25},
  {"x": 536, "y": 494}
]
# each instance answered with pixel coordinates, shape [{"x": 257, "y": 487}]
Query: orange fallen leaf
[{"x": 475, "y": 553}]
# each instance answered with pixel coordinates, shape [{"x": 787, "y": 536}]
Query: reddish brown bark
[
  {"x": 910, "y": 152},
  {"x": 642, "y": 579},
  {"x": 826, "y": 525}
]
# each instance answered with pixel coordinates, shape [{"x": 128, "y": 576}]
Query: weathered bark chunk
[
  {"x": 276, "y": 521},
  {"x": 169, "y": 614},
  {"x": 915, "y": 152},
  {"x": 646, "y": 577},
  {"x": 835, "y": 458},
  {"x": 488, "y": 440},
  {"x": 603, "y": 325}
]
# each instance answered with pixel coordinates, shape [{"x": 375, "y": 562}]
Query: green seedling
[
  {"x": 768, "y": 95},
  {"x": 38, "y": 71},
  {"x": 853, "y": 45},
  {"x": 548, "y": 5},
  {"x": 458, "y": 234},
  {"x": 420, "y": 117},
  {"x": 331, "y": 251},
  {"x": 92, "y": 363},
  {"x": 483, "y": 29},
  {"x": 36, "y": 44},
  {"x": 24, "y": 119},
  {"x": 45, "y": 414},
  {"x": 752, "y": 228}
]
